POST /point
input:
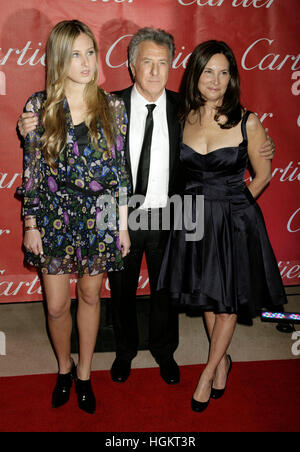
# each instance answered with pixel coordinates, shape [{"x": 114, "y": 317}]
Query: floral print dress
[{"x": 76, "y": 205}]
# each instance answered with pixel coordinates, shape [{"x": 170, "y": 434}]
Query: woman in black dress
[{"x": 232, "y": 271}]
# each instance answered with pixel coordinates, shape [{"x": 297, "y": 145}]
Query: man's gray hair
[{"x": 160, "y": 37}]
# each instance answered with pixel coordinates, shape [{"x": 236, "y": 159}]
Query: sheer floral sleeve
[
  {"x": 32, "y": 159},
  {"x": 121, "y": 165}
]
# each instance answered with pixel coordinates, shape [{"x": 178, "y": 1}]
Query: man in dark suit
[{"x": 150, "y": 56}]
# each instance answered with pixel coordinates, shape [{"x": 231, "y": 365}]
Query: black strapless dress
[{"x": 232, "y": 269}]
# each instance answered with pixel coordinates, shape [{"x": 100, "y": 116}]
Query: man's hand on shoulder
[
  {"x": 27, "y": 122},
  {"x": 267, "y": 150}
]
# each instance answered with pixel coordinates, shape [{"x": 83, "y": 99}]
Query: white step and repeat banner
[{"x": 264, "y": 35}]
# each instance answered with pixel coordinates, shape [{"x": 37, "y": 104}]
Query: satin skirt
[{"x": 232, "y": 269}]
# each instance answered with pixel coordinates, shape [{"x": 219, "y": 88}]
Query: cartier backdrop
[{"x": 264, "y": 35}]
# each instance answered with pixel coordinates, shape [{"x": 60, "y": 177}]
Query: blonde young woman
[{"x": 75, "y": 214}]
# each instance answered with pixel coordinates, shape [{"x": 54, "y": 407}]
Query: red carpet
[{"x": 261, "y": 396}]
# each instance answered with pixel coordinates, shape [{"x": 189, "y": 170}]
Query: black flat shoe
[
  {"x": 120, "y": 370},
  {"x": 169, "y": 371},
  {"x": 199, "y": 406},
  {"x": 85, "y": 396},
  {"x": 218, "y": 393},
  {"x": 61, "y": 393}
]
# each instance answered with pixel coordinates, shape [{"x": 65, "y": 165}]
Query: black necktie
[{"x": 144, "y": 162}]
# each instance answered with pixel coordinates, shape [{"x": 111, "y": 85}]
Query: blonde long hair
[{"x": 58, "y": 53}]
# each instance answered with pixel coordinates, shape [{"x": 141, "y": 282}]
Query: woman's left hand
[
  {"x": 267, "y": 150},
  {"x": 125, "y": 242}
]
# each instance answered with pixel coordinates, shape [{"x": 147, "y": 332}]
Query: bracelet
[{"x": 30, "y": 228}]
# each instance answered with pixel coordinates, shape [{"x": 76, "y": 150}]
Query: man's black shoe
[
  {"x": 169, "y": 371},
  {"x": 120, "y": 370}
]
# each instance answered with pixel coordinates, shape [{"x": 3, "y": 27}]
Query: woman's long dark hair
[{"x": 190, "y": 94}]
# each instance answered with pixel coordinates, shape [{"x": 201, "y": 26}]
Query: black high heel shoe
[
  {"x": 85, "y": 395},
  {"x": 198, "y": 407},
  {"x": 61, "y": 393},
  {"x": 218, "y": 393}
]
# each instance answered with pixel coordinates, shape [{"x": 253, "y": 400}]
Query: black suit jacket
[{"x": 175, "y": 178}]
